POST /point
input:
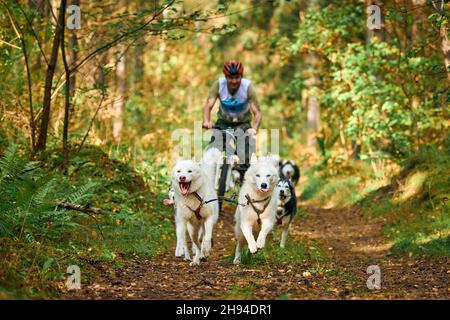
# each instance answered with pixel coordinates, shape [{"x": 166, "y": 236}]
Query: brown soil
[{"x": 351, "y": 242}]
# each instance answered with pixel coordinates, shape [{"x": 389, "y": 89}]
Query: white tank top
[{"x": 237, "y": 104}]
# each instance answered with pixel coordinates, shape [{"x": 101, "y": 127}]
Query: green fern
[
  {"x": 40, "y": 197},
  {"x": 29, "y": 197},
  {"x": 10, "y": 167},
  {"x": 82, "y": 192}
]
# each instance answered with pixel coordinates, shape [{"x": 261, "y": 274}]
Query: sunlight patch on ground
[{"x": 372, "y": 248}]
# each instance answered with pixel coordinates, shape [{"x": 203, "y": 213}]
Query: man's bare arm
[
  {"x": 256, "y": 113},
  {"x": 207, "y": 112}
]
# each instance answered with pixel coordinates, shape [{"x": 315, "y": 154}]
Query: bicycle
[{"x": 223, "y": 172}]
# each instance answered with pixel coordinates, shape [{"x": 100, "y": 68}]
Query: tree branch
[
  {"x": 92, "y": 121},
  {"x": 30, "y": 25},
  {"x": 82, "y": 208},
  {"x": 119, "y": 39},
  {"x": 20, "y": 35}
]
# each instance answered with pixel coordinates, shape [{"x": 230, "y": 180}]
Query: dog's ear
[
  {"x": 248, "y": 176},
  {"x": 275, "y": 178},
  {"x": 276, "y": 159},
  {"x": 176, "y": 158}
]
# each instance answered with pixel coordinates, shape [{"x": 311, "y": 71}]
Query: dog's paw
[
  {"x": 194, "y": 263},
  {"x": 260, "y": 243},
  {"x": 187, "y": 257},
  {"x": 253, "y": 248},
  {"x": 202, "y": 257},
  {"x": 179, "y": 252},
  {"x": 237, "y": 261},
  {"x": 206, "y": 250}
]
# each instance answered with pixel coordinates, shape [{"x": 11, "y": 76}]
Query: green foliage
[
  {"x": 389, "y": 98},
  {"x": 29, "y": 198},
  {"x": 295, "y": 252},
  {"x": 378, "y": 91},
  {"x": 342, "y": 188},
  {"x": 241, "y": 291},
  {"x": 39, "y": 240},
  {"x": 438, "y": 246},
  {"x": 416, "y": 205}
]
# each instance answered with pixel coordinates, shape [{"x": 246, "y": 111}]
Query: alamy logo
[
  {"x": 374, "y": 281},
  {"x": 74, "y": 279},
  {"x": 183, "y": 140},
  {"x": 373, "y": 17},
  {"x": 73, "y": 17}
]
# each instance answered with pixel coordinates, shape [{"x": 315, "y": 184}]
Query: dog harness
[
  {"x": 197, "y": 211},
  {"x": 251, "y": 202},
  {"x": 280, "y": 219},
  {"x": 283, "y": 210}
]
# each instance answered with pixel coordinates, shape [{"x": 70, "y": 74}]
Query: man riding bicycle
[{"x": 237, "y": 105}]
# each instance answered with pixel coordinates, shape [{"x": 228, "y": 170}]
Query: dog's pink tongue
[
  {"x": 184, "y": 188},
  {"x": 264, "y": 190}
]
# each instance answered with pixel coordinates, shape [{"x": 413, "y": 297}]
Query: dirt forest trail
[{"x": 350, "y": 242}]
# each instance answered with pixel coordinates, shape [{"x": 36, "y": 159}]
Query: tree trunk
[
  {"x": 135, "y": 64},
  {"x": 66, "y": 98},
  {"x": 100, "y": 76},
  {"x": 137, "y": 75},
  {"x": 445, "y": 47},
  {"x": 42, "y": 140},
  {"x": 313, "y": 114},
  {"x": 69, "y": 87},
  {"x": 445, "y": 43},
  {"x": 39, "y": 7},
  {"x": 310, "y": 92},
  {"x": 20, "y": 34},
  {"x": 73, "y": 45},
  {"x": 376, "y": 31},
  {"x": 120, "y": 94}
]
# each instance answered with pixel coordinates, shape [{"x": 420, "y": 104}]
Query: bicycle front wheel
[{"x": 222, "y": 184}]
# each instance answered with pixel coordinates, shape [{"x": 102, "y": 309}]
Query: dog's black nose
[
  {"x": 282, "y": 192},
  {"x": 264, "y": 185},
  {"x": 182, "y": 178}
]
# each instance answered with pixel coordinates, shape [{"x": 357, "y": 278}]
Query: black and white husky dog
[
  {"x": 289, "y": 170},
  {"x": 286, "y": 207}
]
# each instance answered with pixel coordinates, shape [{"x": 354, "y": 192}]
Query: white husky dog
[
  {"x": 257, "y": 205},
  {"x": 181, "y": 249},
  {"x": 193, "y": 184}
]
